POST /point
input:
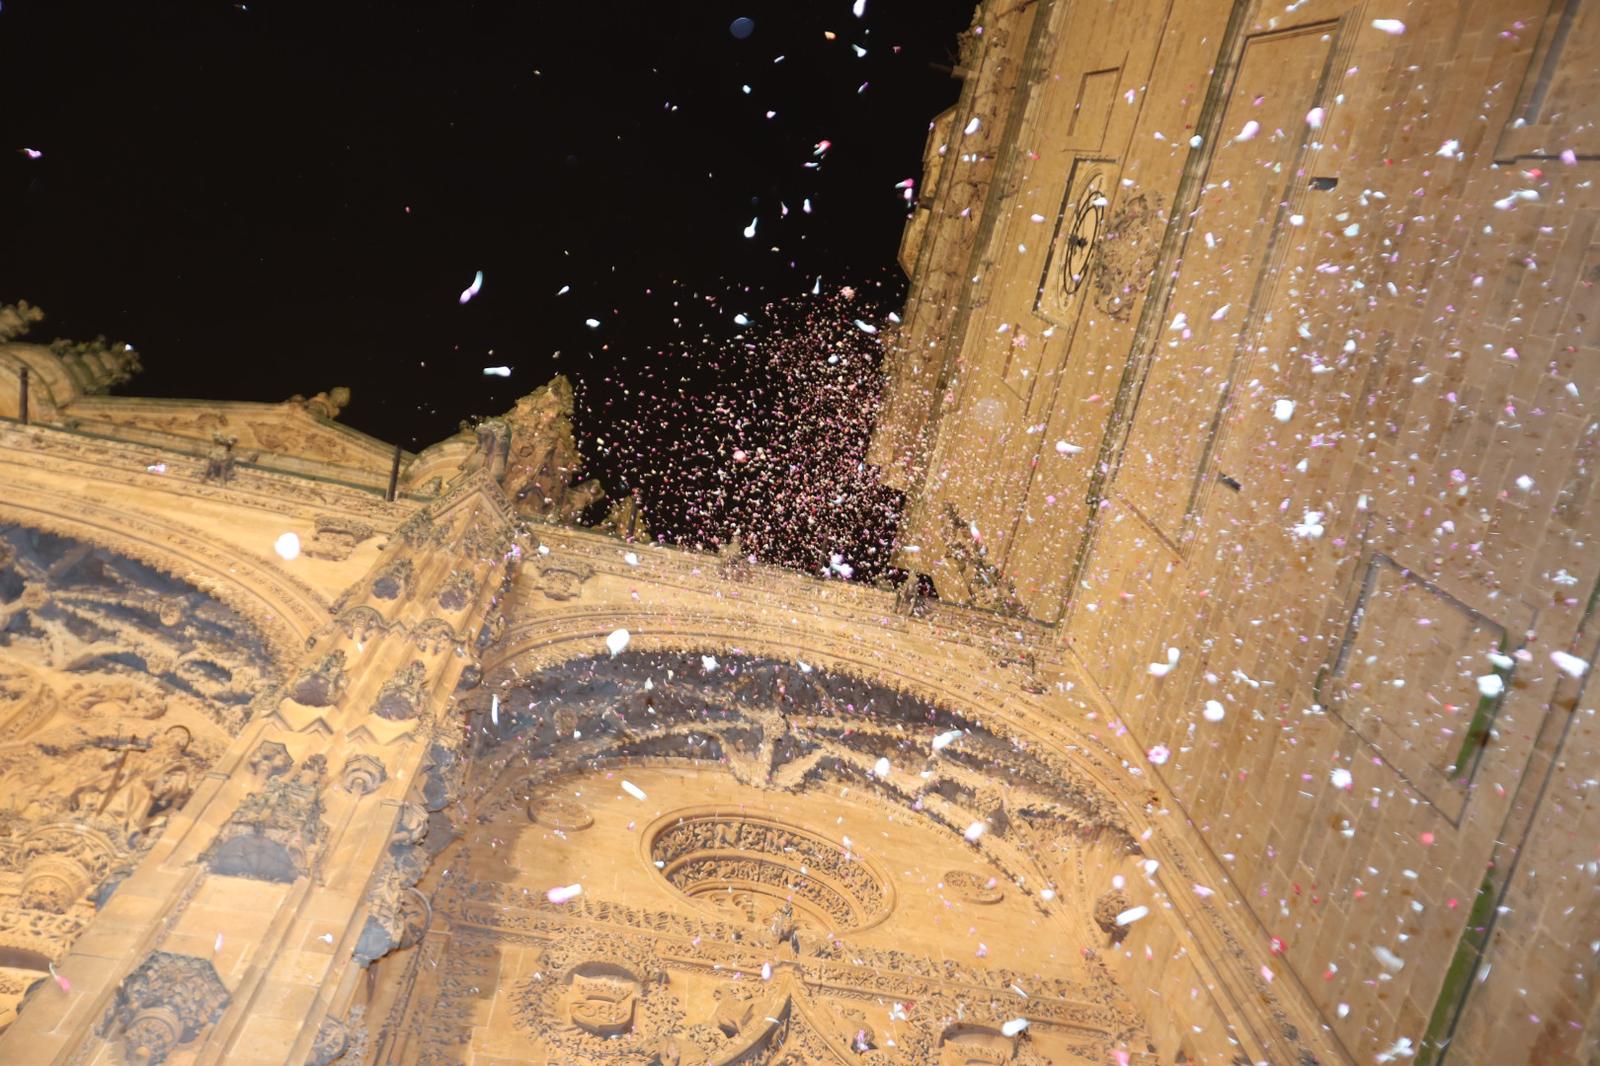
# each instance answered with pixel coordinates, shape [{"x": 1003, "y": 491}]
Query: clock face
[{"x": 1083, "y": 237}]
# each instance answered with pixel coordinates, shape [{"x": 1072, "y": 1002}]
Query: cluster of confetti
[{"x": 772, "y": 456}]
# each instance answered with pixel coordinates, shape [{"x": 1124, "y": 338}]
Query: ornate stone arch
[
  {"x": 284, "y": 611},
  {"x": 989, "y": 696}
]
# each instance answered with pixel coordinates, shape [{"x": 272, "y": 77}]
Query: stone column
[{"x": 246, "y": 927}]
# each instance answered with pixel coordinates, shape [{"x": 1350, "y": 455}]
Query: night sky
[{"x": 269, "y": 197}]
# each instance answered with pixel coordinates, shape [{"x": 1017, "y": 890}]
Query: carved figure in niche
[
  {"x": 403, "y": 696},
  {"x": 625, "y": 519},
  {"x": 220, "y": 459},
  {"x": 325, "y": 404},
  {"x": 321, "y": 685},
  {"x": 781, "y": 926}
]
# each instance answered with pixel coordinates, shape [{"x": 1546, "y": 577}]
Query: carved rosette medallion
[
  {"x": 599, "y": 998},
  {"x": 771, "y": 871}
]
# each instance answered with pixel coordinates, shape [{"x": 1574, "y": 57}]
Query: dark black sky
[{"x": 226, "y": 185}]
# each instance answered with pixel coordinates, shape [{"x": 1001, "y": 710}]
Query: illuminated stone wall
[{"x": 1271, "y": 396}]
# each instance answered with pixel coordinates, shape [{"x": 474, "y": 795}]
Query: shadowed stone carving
[
  {"x": 394, "y": 580},
  {"x": 322, "y": 684},
  {"x": 163, "y": 1004},
  {"x": 275, "y": 831},
  {"x": 404, "y": 695},
  {"x": 457, "y": 590},
  {"x": 398, "y": 912},
  {"x": 332, "y": 1040}
]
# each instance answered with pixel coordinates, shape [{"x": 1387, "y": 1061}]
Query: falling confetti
[
  {"x": 472, "y": 290},
  {"x": 617, "y": 641},
  {"x": 1569, "y": 664},
  {"x": 564, "y": 894},
  {"x": 633, "y": 790},
  {"x": 287, "y": 545}
]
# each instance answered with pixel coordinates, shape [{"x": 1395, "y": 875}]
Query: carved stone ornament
[
  {"x": 433, "y": 636},
  {"x": 332, "y": 1040},
  {"x": 753, "y": 868},
  {"x": 394, "y": 580},
  {"x": 16, "y": 319},
  {"x": 165, "y": 1003},
  {"x": 404, "y": 695},
  {"x": 321, "y": 685},
  {"x": 334, "y": 538},
  {"x": 1127, "y": 254},
  {"x": 599, "y": 998},
  {"x": 974, "y": 887},
  {"x": 362, "y": 774},
  {"x": 1106, "y": 909},
  {"x": 537, "y": 458},
  {"x": 457, "y": 590},
  {"x": 361, "y": 624},
  {"x": 561, "y": 579},
  {"x": 271, "y": 759},
  {"x": 567, "y": 815},
  {"x": 274, "y": 833},
  {"x": 62, "y": 861}
]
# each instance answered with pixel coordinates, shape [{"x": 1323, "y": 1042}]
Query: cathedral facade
[{"x": 1237, "y": 710}]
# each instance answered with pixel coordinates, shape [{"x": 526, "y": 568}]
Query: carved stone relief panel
[{"x": 119, "y": 687}]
